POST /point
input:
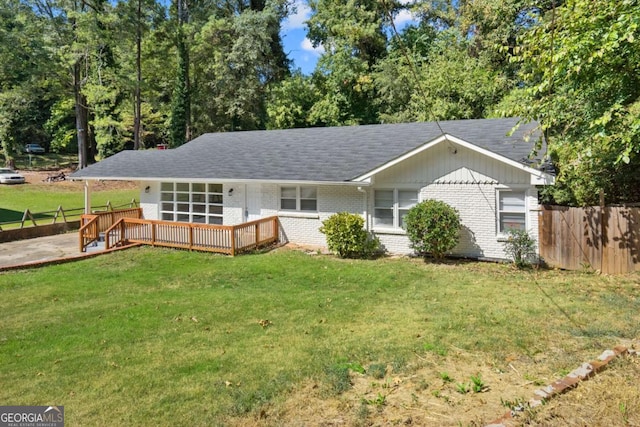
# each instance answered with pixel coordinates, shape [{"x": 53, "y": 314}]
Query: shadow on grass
[
  {"x": 9, "y": 215},
  {"x": 448, "y": 260}
]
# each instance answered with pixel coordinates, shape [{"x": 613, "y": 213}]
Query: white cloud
[
  {"x": 296, "y": 21},
  {"x": 307, "y": 46},
  {"x": 402, "y": 18}
]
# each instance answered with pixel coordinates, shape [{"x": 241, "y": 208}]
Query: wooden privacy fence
[
  {"x": 602, "y": 238},
  {"x": 227, "y": 239}
]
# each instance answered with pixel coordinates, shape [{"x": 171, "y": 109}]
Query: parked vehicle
[
  {"x": 9, "y": 176},
  {"x": 33, "y": 149}
]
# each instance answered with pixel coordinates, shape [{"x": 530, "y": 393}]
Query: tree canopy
[{"x": 96, "y": 77}]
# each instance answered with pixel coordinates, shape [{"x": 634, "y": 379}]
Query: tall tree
[
  {"x": 137, "y": 109},
  {"x": 234, "y": 65},
  {"x": 74, "y": 29},
  {"x": 442, "y": 80},
  {"x": 290, "y": 101},
  {"x": 23, "y": 97},
  {"x": 181, "y": 102},
  {"x": 353, "y": 36}
]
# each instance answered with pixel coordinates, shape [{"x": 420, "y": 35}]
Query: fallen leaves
[{"x": 265, "y": 323}]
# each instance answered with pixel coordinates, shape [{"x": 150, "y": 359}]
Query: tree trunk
[
  {"x": 138, "y": 101},
  {"x": 81, "y": 117},
  {"x": 187, "y": 113}
]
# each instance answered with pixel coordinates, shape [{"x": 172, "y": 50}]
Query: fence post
[
  {"x": 27, "y": 213},
  {"x": 55, "y": 217}
]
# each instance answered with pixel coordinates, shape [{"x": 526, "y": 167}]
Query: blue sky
[{"x": 298, "y": 47}]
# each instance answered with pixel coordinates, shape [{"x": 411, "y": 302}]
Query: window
[
  {"x": 298, "y": 198},
  {"x": 511, "y": 211},
  {"x": 391, "y": 206},
  {"x": 191, "y": 202}
]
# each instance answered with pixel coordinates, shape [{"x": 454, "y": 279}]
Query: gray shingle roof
[{"x": 331, "y": 154}]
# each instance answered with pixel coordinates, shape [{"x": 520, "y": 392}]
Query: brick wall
[
  {"x": 149, "y": 201},
  {"x": 476, "y": 204},
  {"x": 303, "y": 228}
]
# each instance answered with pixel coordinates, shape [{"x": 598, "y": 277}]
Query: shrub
[
  {"x": 433, "y": 228},
  {"x": 520, "y": 247},
  {"x": 347, "y": 237}
]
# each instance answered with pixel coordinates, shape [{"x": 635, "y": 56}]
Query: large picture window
[
  {"x": 299, "y": 198},
  {"x": 391, "y": 206},
  {"x": 512, "y": 212},
  {"x": 191, "y": 202}
]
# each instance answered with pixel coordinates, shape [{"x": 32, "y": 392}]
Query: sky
[{"x": 299, "y": 48}]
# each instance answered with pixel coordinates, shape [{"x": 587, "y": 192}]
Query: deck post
[
  {"x": 257, "y": 234},
  {"x": 81, "y": 235},
  {"x": 233, "y": 241},
  {"x": 276, "y": 231}
]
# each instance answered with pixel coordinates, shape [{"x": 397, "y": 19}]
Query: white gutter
[{"x": 225, "y": 181}]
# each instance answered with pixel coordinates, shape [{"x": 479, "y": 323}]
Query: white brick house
[{"x": 303, "y": 176}]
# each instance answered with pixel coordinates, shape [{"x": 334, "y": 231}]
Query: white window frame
[
  {"x": 298, "y": 198},
  {"x": 193, "y": 202},
  {"x": 499, "y": 211},
  {"x": 398, "y": 211}
]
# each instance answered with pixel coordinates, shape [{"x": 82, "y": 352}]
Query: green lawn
[
  {"x": 14, "y": 199},
  {"x": 46, "y": 197},
  {"x": 150, "y": 336}
]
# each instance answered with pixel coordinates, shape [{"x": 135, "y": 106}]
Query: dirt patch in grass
[
  {"x": 46, "y": 179},
  {"x": 458, "y": 390}
]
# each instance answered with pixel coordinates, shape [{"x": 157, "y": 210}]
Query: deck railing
[
  {"x": 226, "y": 239},
  {"x": 91, "y": 225}
]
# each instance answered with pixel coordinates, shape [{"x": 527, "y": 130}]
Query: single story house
[{"x": 303, "y": 176}]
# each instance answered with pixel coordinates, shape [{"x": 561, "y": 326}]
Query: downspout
[
  {"x": 246, "y": 206},
  {"x": 365, "y": 210}
]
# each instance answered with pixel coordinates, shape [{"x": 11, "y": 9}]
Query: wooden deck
[
  {"x": 130, "y": 228},
  {"x": 97, "y": 223}
]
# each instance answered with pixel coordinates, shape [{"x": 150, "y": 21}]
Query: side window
[
  {"x": 512, "y": 212},
  {"x": 383, "y": 208},
  {"x": 288, "y": 198},
  {"x": 303, "y": 199},
  {"x": 391, "y": 206}
]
